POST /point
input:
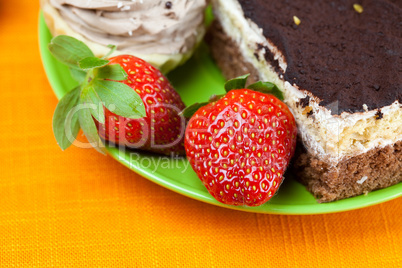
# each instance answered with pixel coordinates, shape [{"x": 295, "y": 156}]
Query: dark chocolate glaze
[{"x": 336, "y": 53}]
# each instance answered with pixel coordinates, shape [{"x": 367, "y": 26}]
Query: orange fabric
[{"x": 80, "y": 209}]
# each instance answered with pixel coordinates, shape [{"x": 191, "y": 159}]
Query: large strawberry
[
  {"x": 123, "y": 99},
  {"x": 241, "y": 144}
]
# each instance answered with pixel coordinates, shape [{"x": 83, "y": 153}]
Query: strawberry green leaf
[
  {"x": 112, "y": 72},
  {"x": 92, "y": 62},
  {"x": 267, "y": 88},
  {"x": 69, "y": 50},
  {"x": 89, "y": 96},
  {"x": 78, "y": 75},
  {"x": 125, "y": 100},
  {"x": 65, "y": 120},
  {"x": 236, "y": 83},
  {"x": 189, "y": 111},
  {"x": 89, "y": 128}
]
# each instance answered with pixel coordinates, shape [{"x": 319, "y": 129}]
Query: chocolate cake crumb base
[
  {"x": 227, "y": 55},
  {"x": 375, "y": 169}
]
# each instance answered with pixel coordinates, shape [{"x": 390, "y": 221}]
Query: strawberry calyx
[
  {"x": 98, "y": 88},
  {"x": 190, "y": 110},
  {"x": 260, "y": 86},
  {"x": 233, "y": 84}
]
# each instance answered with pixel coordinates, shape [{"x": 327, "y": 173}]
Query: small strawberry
[
  {"x": 241, "y": 144},
  {"x": 125, "y": 99}
]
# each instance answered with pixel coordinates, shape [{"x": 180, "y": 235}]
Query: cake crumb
[
  {"x": 379, "y": 114},
  {"x": 365, "y": 107},
  {"x": 363, "y": 179},
  {"x": 358, "y": 8},
  {"x": 168, "y": 5},
  {"x": 303, "y": 102},
  {"x": 307, "y": 110},
  {"x": 296, "y": 20}
]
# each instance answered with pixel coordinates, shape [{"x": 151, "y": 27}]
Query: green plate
[{"x": 196, "y": 81}]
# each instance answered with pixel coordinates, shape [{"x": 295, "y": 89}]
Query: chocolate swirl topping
[{"x": 143, "y": 26}]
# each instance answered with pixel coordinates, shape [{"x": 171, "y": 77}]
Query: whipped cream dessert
[
  {"x": 339, "y": 71},
  {"x": 164, "y": 33}
]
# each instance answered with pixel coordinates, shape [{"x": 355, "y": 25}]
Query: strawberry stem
[{"x": 112, "y": 49}]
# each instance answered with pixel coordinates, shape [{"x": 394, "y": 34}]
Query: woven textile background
[{"x": 80, "y": 209}]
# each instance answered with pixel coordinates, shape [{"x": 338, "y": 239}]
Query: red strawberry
[
  {"x": 162, "y": 129},
  {"x": 124, "y": 100},
  {"x": 240, "y": 146}
]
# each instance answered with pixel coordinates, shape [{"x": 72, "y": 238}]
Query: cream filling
[
  {"x": 331, "y": 137},
  {"x": 336, "y": 137}
]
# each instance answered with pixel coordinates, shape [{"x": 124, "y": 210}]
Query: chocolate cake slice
[{"x": 339, "y": 66}]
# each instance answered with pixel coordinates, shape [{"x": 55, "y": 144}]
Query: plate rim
[{"x": 375, "y": 197}]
